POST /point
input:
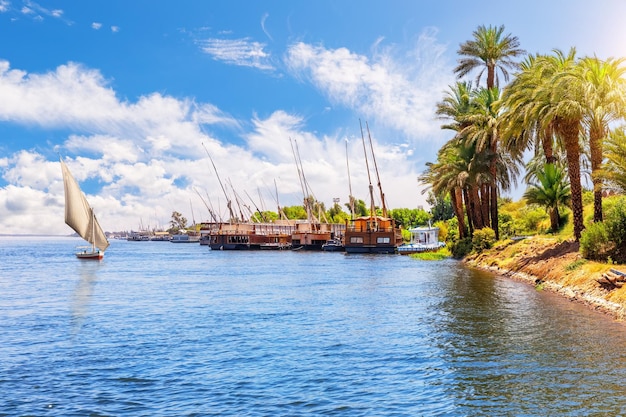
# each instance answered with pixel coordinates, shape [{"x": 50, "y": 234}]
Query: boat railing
[{"x": 358, "y": 228}]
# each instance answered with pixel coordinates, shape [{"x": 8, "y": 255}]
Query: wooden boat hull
[
  {"x": 371, "y": 249},
  {"x": 233, "y": 246},
  {"x": 333, "y": 245},
  {"x": 88, "y": 255}
]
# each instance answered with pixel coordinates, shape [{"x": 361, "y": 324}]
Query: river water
[{"x": 162, "y": 329}]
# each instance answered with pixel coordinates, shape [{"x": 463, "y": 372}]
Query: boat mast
[
  {"x": 371, "y": 187},
  {"x": 193, "y": 217},
  {"x": 380, "y": 187},
  {"x": 93, "y": 231},
  {"x": 349, "y": 183},
  {"x": 206, "y": 205},
  {"x": 281, "y": 212},
  {"x": 303, "y": 184},
  {"x": 228, "y": 202},
  {"x": 238, "y": 201},
  {"x": 258, "y": 210}
]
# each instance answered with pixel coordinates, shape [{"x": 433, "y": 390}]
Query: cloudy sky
[{"x": 136, "y": 95}]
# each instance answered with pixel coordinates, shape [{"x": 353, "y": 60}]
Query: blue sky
[{"x": 133, "y": 94}]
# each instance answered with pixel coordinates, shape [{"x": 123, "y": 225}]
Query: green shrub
[
  {"x": 594, "y": 241},
  {"x": 483, "y": 239},
  {"x": 443, "y": 229},
  {"x": 615, "y": 220},
  {"x": 406, "y": 235},
  {"x": 461, "y": 247},
  {"x": 453, "y": 230},
  {"x": 506, "y": 224},
  {"x": 531, "y": 218}
]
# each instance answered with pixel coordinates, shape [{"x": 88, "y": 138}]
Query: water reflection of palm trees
[{"x": 83, "y": 292}]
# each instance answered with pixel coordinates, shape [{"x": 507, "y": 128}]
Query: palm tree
[
  {"x": 550, "y": 191},
  {"x": 457, "y": 103},
  {"x": 494, "y": 52},
  {"x": 444, "y": 174},
  {"x": 491, "y": 50},
  {"x": 521, "y": 126},
  {"x": 563, "y": 108},
  {"x": 482, "y": 130},
  {"x": 603, "y": 88},
  {"x": 550, "y": 100}
]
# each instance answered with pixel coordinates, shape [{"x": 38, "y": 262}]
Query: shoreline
[{"x": 556, "y": 266}]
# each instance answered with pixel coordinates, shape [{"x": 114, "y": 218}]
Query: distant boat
[
  {"x": 184, "y": 238},
  {"x": 160, "y": 237},
  {"x": 80, "y": 216},
  {"x": 141, "y": 236},
  {"x": 333, "y": 245},
  {"x": 423, "y": 239}
]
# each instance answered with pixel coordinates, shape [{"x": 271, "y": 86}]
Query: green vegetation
[
  {"x": 177, "y": 223},
  {"x": 575, "y": 265},
  {"x": 569, "y": 112},
  {"x": 483, "y": 239},
  {"x": 443, "y": 253}
]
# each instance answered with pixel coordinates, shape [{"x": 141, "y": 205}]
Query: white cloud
[
  {"x": 242, "y": 52},
  {"x": 263, "y": 20},
  {"x": 115, "y": 29},
  {"x": 396, "y": 88},
  {"x": 38, "y": 12},
  {"x": 96, "y": 25},
  {"x": 4, "y": 6}
]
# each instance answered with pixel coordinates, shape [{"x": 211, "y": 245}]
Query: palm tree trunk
[
  {"x": 554, "y": 219},
  {"x": 468, "y": 209},
  {"x": 456, "y": 197},
  {"x": 494, "y": 210},
  {"x": 570, "y": 130},
  {"x": 548, "y": 145},
  {"x": 484, "y": 203},
  {"x": 595, "y": 147},
  {"x": 493, "y": 170},
  {"x": 491, "y": 75},
  {"x": 475, "y": 207}
]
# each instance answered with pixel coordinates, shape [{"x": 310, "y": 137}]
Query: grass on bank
[{"x": 438, "y": 255}]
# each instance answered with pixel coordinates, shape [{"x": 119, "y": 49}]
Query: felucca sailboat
[{"x": 80, "y": 216}]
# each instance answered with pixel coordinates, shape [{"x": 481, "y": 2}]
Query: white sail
[{"x": 79, "y": 215}]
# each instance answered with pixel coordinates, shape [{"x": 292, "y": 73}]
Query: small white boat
[
  {"x": 423, "y": 239},
  {"x": 80, "y": 216},
  {"x": 333, "y": 245}
]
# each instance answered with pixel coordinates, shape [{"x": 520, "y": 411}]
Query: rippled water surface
[{"x": 162, "y": 329}]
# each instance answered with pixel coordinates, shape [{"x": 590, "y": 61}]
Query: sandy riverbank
[{"x": 555, "y": 265}]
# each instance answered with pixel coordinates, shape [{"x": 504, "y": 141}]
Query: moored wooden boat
[
  {"x": 252, "y": 236},
  {"x": 372, "y": 234}
]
